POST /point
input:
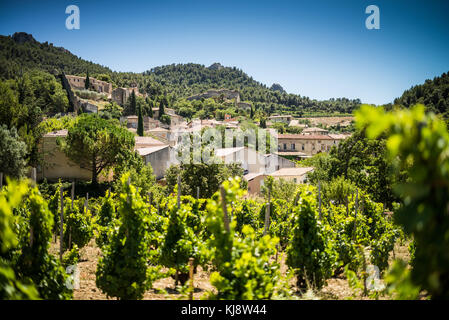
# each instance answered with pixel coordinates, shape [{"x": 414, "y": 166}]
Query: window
[
  {"x": 285, "y": 146},
  {"x": 294, "y": 180},
  {"x": 293, "y": 146},
  {"x": 302, "y": 147}
]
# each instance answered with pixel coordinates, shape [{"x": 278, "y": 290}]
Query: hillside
[
  {"x": 434, "y": 94},
  {"x": 21, "y": 52},
  {"x": 184, "y": 80}
]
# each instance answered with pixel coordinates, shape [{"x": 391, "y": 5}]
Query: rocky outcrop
[{"x": 22, "y": 37}]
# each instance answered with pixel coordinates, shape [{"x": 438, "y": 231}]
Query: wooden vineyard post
[
  {"x": 179, "y": 206},
  {"x": 150, "y": 199},
  {"x": 33, "y": 179},
  {"x": 347, "y": 206},
  {"x": 191, "y": 278},
  {"x": 179, "y": 192},
  {"x": 1, "y": 180},
  {"x": 225, "y": 210},
  {"x": 61, "y": 225},
  {"x": 197, "y": 192},
  {"x": 356, "y": 207},
  {"x": 72, "y": 196},
  {"x": 267, "y": 214},
  {"x": 86, "y": 202},
  {"x": 33, "y": 176},
  {"x": 319, "y": 198}
]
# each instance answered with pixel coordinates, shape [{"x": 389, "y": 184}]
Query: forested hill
[
  {"x": 186, "y": 79},
  {"x": 21, "y": 52},
  {"x": 434, "y": 94}
]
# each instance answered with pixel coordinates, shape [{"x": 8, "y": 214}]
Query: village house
[
  {"x": 121, "y": 95},
  {"x": 159, "y": 157},
  {"x": 56, "y": 165},
  {"x": 253, "y": 161},
  {"x": 307, "y": 143},
  {"x": 132, "y": 122},
  {"x": 255, "y": 182}
]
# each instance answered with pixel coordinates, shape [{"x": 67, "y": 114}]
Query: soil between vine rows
[{"x": 337, "y": 288}]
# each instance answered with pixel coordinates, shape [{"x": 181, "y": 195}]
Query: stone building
[
  {"x": 159, "y": 157},
  {"x": 56, "y": 165},
  {"x": 100, "y": 86},
  {"x": 255, "y": 182},
  {"x": 307, "y": 143}
]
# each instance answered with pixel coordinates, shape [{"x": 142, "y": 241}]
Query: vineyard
[{"x": 232, "y": 247}]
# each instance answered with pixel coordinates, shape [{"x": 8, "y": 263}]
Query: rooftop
[
  {"x": 251, "y": 176},
  {"x": 292, "y": 153},
  {"x": 147, "y": 142},
  {"x": 291, "y": 172},
  {"x": 305, "y": 136},
  {"x": 223, "y": 152},
  {"x": 149, "y": 150},
  {"x": 314, "y": 129},
  {"x": 339, "y": 136}
]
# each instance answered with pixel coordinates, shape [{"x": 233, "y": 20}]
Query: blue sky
[{"x": 320, "y": 49}]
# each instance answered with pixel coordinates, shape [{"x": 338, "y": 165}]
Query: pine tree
[
  {"x": 140, "y": 122},
  {"x": 87, "y": 82}
]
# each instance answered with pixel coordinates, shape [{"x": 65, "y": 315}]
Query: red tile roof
[{"x": 305, "y": 136}]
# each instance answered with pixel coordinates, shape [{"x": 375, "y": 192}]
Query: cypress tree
[
  {"x": 87, "y": 82},
  {"x": 132, "y": 103},
  {"x": 150, "y": 111},
  {"x": 161, "y": 110},
  {"x": 140, "y": 122}
]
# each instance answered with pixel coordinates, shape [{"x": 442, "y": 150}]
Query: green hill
[
  {"x": 21, "y": 52},
  {"x": 434, "y": 94}
]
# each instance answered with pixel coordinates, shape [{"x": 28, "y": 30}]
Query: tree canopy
[{"x": 95, "y": 143}]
